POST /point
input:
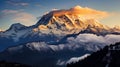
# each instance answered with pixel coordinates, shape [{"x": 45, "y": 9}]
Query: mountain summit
[
  {"x": 17, "y": 26},
  {"x": 73, "y": 20}
]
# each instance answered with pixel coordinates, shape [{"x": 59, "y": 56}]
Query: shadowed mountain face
[
  {"x": 58, "y": 36},
  {"x": 106, "y": 57}
]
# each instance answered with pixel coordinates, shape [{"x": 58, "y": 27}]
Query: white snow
[
  {"x": 76, "y": 59},
  {"x": 40, "y": 46}
]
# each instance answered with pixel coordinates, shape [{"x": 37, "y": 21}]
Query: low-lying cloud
[
  {"x": 90, "y": 42},
  {"x": 71, "y": 51},
  {"x": 108, "y": 39}
]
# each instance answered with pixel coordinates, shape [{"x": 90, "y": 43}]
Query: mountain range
[{"x": 54, "y": 39}]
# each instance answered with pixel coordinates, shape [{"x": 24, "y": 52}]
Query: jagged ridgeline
[{"x": 109, "y": 56}]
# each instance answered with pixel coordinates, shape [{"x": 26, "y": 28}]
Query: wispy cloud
[
  {"x": 84, "y": 12},
  {"x": 20, "y": 16},
  {"x": 25, "y": 18},
  {"x": 17, "y": 3},
  {"x": 7, "y": 11}
]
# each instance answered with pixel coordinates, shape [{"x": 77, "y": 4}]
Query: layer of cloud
[
  {"x": 108, "y": 39},
  {"x": 20, "y": 16},
  {"x": 71, "y": 51},
  {"x": 89, "y": 42},
  {"x": 84, "y": 12}
]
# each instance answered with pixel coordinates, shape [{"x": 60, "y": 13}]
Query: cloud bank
[
  {"x": 108, "y": 39},
  {"x": 68, "y": 52},
  {"x": 89, "y": 42}
]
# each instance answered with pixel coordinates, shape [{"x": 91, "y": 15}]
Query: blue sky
[{"x": 15, "y": 11}]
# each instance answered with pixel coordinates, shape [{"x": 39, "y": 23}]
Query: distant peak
[{"x": 17, "y": 26}]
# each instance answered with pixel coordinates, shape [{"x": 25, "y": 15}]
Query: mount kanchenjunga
[
  {"x": 54, "y": 27},
  {"x": 69, "y": 22}
]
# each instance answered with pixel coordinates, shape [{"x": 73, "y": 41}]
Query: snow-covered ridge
[
  {"x": 14, "y": 28},
  {"x": 76, "y": 59},
  {"x": 17, "y": 26}
]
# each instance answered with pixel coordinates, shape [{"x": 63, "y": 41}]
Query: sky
[{"x": 28, "y": 12}]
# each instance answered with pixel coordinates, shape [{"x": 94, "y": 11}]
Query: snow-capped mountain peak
[
  {"x": 17, "y": 26},
  {"x": 15, "y": 32},
  {"x": 68, "y": 21}
]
